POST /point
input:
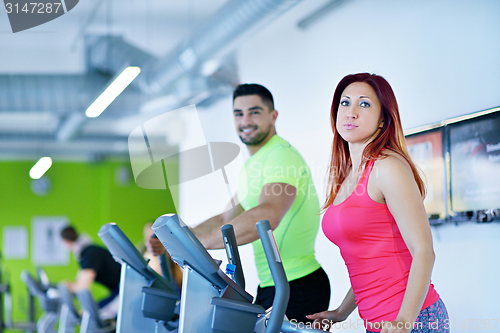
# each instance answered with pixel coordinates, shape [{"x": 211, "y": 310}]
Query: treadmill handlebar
[
  {"x": 278, "y": 273},
  {"x": 233, "y": 255}
]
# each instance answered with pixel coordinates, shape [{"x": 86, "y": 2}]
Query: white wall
[{"x": 441, "y": 58}]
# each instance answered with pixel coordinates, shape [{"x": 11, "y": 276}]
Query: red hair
[{"x": 391, "y": 135}]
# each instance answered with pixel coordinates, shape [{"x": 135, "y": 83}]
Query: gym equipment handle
[
  {"x": 233, "y": 255},
  {"x": 282, "y": 294}
]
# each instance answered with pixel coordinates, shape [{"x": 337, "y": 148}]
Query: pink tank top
[{"x": 374, "y": 252}]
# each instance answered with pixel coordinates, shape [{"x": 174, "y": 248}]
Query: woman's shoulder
[{"x": 392, "y": 165}]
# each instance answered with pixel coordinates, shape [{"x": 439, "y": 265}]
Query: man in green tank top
[{"x": 275, "y": 185}]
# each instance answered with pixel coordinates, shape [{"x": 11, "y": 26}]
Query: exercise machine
[
  {"x": 49, "y": 302},
  {"x": 69, "y": 317},
  {"x": 210, "y": 301},
  {"x": 6, "y": 310},
  {"x": 142, "y": 290},
  {"x": 91, "y": 321}
]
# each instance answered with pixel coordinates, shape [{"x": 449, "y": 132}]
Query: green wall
[{"x": 88, "y": 195}]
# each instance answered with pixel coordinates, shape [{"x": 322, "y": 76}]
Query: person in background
[
  {"x": 277, "y": 186},
  {"x": 96, "y": 265},
  {"x": 154, "y": 263},
  {"x": 376, "y": 216}
]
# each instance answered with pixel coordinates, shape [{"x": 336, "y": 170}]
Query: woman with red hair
[{"x": 375, "y": 214}]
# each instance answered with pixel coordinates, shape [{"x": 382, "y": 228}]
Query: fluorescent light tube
[
  {"x": 40, "y": 167},
  {"x": 112, "y": 91}
]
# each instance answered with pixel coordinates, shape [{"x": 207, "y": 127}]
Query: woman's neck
[{"x": 356, "y": 154}]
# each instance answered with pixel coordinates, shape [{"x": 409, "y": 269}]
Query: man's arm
[
  {"x": 84, "y": 280},
  {"x": 155, "y": 247},
  {"x": 274, "y": 202},
  {"x": 218, "y": 221}
]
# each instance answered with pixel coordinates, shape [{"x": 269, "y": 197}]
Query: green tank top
[{"x": 278, "y": 162}]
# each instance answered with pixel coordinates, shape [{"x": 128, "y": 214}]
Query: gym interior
[{"x": 441, "y": 58}]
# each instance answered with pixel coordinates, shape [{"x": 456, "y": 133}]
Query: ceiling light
[
  {"x": 112, "y": 91},
  {"x": 40, "y": 167},
  {"x": 210, "y": 67},
  {"x": 188, "y": 59}
]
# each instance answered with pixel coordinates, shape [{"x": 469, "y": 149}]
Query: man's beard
[{"x": 261, "y": 135}]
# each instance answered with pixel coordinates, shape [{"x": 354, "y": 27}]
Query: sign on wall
[
  {"x": 47, "y": 248},
  {"x": 15, "y": 242}
]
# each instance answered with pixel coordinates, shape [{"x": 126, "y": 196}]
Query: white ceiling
[
  {"x": 57, "y": 47},
  {"x": 155, "y": 26}
]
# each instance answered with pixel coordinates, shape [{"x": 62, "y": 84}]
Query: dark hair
[
  {"x": 69, "y": 233},
  {"x": 391, "y": 135},
  {"x": 247, "y": 89}
]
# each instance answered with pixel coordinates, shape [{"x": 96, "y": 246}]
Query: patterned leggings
[{"x": 432, "y": 319}]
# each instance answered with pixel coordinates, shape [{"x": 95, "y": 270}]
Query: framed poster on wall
[
  {"x": 47, "y": 247},
  {"x": 15, "y": 242},
  {"x": 426, "y": 150}
]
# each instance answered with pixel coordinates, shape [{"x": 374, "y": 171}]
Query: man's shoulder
[
  {"x": 94, "y": 249},
  {"x": 284, "y": 153}
]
